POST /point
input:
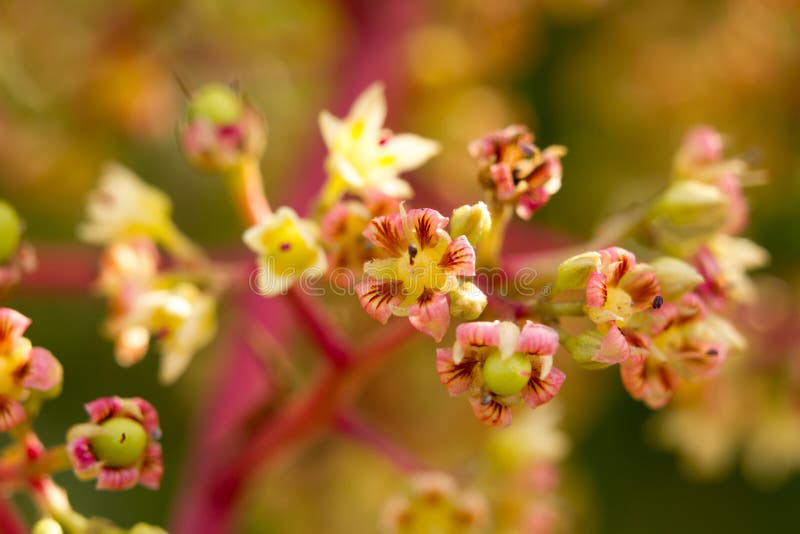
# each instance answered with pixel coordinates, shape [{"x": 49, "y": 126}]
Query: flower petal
[
  {"x": 457, "y": 378},
  {"x": 478, "y": 334},
  {"x": 538, "y": 391},
  {"x": 537, "y": 339},
  {"x": 11, "y": 413},
  {"x": 406, "y": 152},
  {"x": 43, "y": 371},
  {"x": 388, "y": 232},
  {"x": 368, "y": 112},
  {"x": 377, "y": 297},
  {"x": 701, "y": 361},
  {"x": 430, "y": 314},
  {"x": 426, "y": 223},
  {"x": 330, "y": 127},
  {"x": 596, "y": 290},
  {"x": 152, "y": 468},
  {"x": 12, "y": 325},
  {"x": 490, "y": 412},
  {"x": 503, "y": 181},
  {"x": 84, "y": 462},
  {"x": 101, "y": 409},
  {"x": 117, "y": 479},
  {"x": 649, "y": 380},
  {"x": 614, "y": 347},
  {"x": 459, "y": 258},
  {"x": 641, "y": 284},
  {"x": 615, "y": 263},
  {"x": 148, "y": 418}
]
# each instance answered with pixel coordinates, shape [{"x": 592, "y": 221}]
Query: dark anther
[
  {"x": 527, "y": 150},
  {"x": 658, "y": 301},
  {"x": 412, "y": 253},
  {"x": 486, "y": 399},
  {"x": 712, "y": 352},
  {"x": 285, "y": 247},
  {"x": 123, "y": 438}
]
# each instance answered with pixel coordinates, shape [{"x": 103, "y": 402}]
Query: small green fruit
[
  {"x": 216, "y": 103},
  {"x": 10, "y": 231},
  {"x": 122, "y": 442},
  {"x": 506, "y": 377}
]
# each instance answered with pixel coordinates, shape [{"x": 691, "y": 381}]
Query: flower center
[
  {"x": 506, "y": 377},
  {"x": 122, "y": 442},
  {"x": 619, "y": 303}
]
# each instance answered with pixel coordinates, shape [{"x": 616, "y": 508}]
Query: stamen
[
  {"x": 285, "y": 247},
  {"x": 412, "y": 253},
  {"x": 712, "y": 352},
  {"x": 658, "y": 301}
]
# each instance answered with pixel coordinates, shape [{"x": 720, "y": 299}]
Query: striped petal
[
  {"x": 538, "y": 391},
  {"x": 537, "y": 339},
  {"x": 478, "y": 334},
  {"x": 378, "y": 297},
  {"x": 459, "y": 258},
  {"x": 117, "y": 479},
  {"x": 614, "y": 348},
  {"x": 490, "y": 412},
  {"x": 11, "y": 413},
  {"x": 457, "y": 378},
  {"x": 649, "y": 380},
  {"x": 388, "y": 232},
  {"x": 152, "y": 468},
  {"x": 43, "y": 371},
  {"x": 101, "y": 409},
  {"x": 430, "y": 314},
  {"x": 596, "y": 290},
  {"x": 12, "y": 325},
  {"x": 641, "y": 284},
  {"x": 426, "y": 223},
  {"x": 84, "y": 462}
]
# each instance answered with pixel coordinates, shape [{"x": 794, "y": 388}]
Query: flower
[
  {"x": 24, "y": 369},
  {"x": 435, "y": 504},
  {"x": 362, "y": 156},
  {"x": 422, "y": 265},
  {"x": 183, "y": 319},
  {"x": 516, "y": 171},
  {"x": 723, "y": 262},
  {"x": 123, "y": 207},
  {"x": 343, "y": 226},
  {"x": 119, "y": 447},
  {"x": 498, "y": 365},
  {"x": 616, "y": 290},
  {"x": 288, "y": 249},
  {"x": 222, "y": 130}
]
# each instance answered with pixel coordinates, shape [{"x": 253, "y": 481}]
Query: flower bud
[
  {"x": 144, "y": 528},
  {"x": 48, "y": 525},
  {"x": 222, "y": 131},
  {"x": 10, "y": 231},
  {"x": 467, "y": 302},
  {"x": 574, "y": 272},
  {"x": 584, "y": 347},
  {"x": 473, "y": 221},
  {"x": 675, "y": 277},
  {"x": 686, "y": 211}
]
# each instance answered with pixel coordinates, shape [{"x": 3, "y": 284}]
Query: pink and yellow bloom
[
  {"x": 24, "y": 369},
  {"x": 421, "y": 266},
  {"x": 119, "y": 447},
  {"x": 498, "y": 365},
  {"x": 516, "y": 171}
]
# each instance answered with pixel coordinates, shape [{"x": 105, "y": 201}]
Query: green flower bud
[
  {"x": 10, "y": 231},
  {"x": 144, "y": 528},
  {"x": 687, "y": 211},
  {"x": 216, "y": 103},
  {"x": 574, "y": 272},
  {"x": 47, "y": 525},
  {"x": 473, "y": 221},
  {"x": 506, "y": 376},
  {"x": 121, "y": 443},
  {"x": 676, "y": 277},
  {"x": 467, "y": 302},
  {"x": 584, "y": 347}
]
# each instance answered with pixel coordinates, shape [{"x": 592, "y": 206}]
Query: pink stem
[
  {"x": 353, "y": 426},
  {"x": 319, "y": 325},
  {"x": 10, "y": 519}
]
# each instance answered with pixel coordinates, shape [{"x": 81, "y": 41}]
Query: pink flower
[
  {"x": 421, "y": 266},
  {"x": 499, "y": 365},
  {"x": 120, "y": 446},
  {"x": 22, "y": 368},
  {"x": 616, "y": 291},
  {"x": 516, "y": 170}
]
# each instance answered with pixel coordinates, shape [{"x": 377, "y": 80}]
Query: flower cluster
[
  {"x": 27, "y": 374},
  {"x": 119, "y": 447},
  {"x": 499, "y": 365},
  {"x": 131, "y": 218},
  {"x": 515, "y": 171}
]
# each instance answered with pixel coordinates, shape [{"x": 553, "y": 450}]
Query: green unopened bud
[
  {"x": 217, "y": 104},
  {"x": 574, "y": 272},
  {"x": 467, "y": 302},
  {"x": 676, "y": 277},
  {"x": 584, "y": 347},
  {"x": 473, "y": 221},
  {"x": 47, "y": 525},
  {"x": 688, "y": 210},
  {"x": 121, "y": 443},
  {"x": 10, "y": 231},
  {"x": 506, "y": 376}
]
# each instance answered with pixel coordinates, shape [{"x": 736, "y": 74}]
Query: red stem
[
  {"x": 319, "y": 325},
  {"x": 10, "y": 519},
  {"x": 353, "y": 426}
]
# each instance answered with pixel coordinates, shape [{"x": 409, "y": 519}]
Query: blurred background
[{"x": 616, "y": 81}]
